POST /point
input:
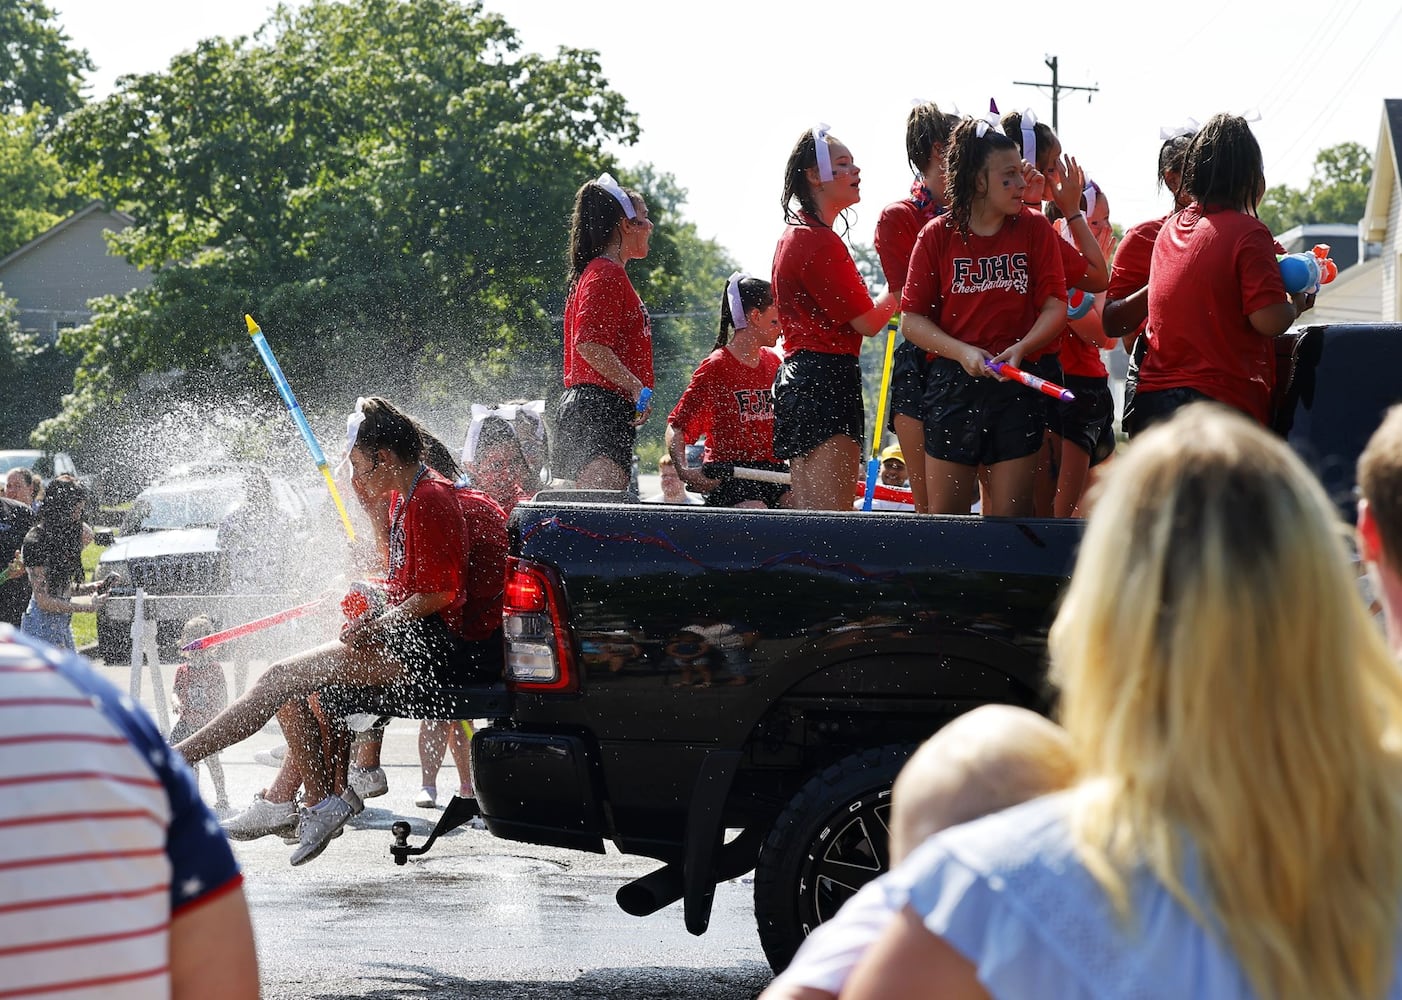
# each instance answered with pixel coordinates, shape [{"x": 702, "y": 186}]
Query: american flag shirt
[{"x": 103, "y": 834}]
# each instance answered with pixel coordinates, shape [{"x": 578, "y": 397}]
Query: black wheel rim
[{"x": 849, "y": 850}]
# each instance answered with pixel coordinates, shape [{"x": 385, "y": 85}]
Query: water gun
[
  {"x": 1305, "y": 272},
  {"x": 1031, "y": 381},
  {"x": 1078, "y": 303},
  {"x": 644, "y": 399},
  {"x": 362, "y": 600}
]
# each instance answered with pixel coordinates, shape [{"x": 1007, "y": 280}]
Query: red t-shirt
[
  {"x": 1210, "y": 271},
  {"x": 733, "y": 405},
  {"x": 484, "y": 563},
  {"x": 900, "y": 223},
  {"x": 426, "y": 552},
  {"x": 1074, "y": 265},
  {"x": 604, "y": 309},
  {"x": 1079, "y": 358},
  {"x": 985, "y": 290},
  {"x": 1130, "y": 271},
  {"x": 818, "y": 290}
]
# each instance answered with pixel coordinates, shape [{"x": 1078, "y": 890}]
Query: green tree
[
  {"x": 34, "y": 377},
  {"x": 38, "y": 65},
  {"x": 1337, "y": 191},
  {"x": 384, "y": 184},
  {"x": 35, "y": 190}
]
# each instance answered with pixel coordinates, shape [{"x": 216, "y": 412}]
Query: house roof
[
  {"x": 1387, "y": 162},
  {"x": 96, "y": 205}
]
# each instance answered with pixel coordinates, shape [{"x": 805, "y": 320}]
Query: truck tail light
[{"x": 539, "y": 649}]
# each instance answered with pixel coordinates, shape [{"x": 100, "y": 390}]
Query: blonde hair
[
  {"x": 1222, "y": 682},
  {"x": 987, "y": 759}
]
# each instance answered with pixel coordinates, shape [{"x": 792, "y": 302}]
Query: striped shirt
[{"x": 103, "y": 835}]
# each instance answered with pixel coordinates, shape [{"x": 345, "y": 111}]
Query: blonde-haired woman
[{"x": 1236, "y": 828}]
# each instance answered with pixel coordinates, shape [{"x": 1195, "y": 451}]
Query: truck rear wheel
[{"x": 831, "y": 839}]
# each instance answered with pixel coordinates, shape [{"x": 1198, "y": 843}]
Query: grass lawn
[{"x": 85, "y": 626}]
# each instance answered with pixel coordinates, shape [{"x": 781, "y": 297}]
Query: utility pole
[{"x": 1056, "y": 88}]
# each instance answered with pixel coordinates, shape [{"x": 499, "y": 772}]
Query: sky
[{"x": 723, "y": 88}]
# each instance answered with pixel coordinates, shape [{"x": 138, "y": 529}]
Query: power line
[{"x": 1056, "y": 88}]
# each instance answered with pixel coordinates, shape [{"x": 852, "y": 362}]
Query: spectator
[
  {"x": 16, "y": 518},
  {"x": 673, "y": 489},
  {"x": 985, "y": 760},
  {"x": 1380, "y": 518},
  {"x": 1234, "y": 830},
  {"x": 53, "y": 558},
  {"x": 114, "y": 870},
  {"x": 24, "y": 486},
  {"x": 893, "y": 474},
  {"x": 200, "y": 694}
]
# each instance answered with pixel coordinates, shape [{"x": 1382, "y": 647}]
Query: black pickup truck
[{"x": 727, "y": 690}]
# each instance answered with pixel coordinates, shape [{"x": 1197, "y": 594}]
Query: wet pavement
[{"x": 475, "y": 917}]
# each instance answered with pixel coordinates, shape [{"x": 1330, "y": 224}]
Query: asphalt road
[{"x": 475, "y": 917}]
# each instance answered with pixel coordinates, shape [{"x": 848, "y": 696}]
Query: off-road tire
[{"x": 831, "y": 839}]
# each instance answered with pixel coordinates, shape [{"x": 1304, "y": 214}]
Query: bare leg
[
  {"x": 1046, "y": 476},
  {"x": 1010, "y": 487},
  {"x": 367, "y": 748},
  {"x": 948, "y": 485},
  {"x": 602, "y": 474},
  {"x": 216, "y": 773},
  {"x": 304, "y": 746},
  {"x": 295, "y": 677},
  {"x": 910, "y": 432},
  {"x": 433, "y": 740},
  {"x": 288, "y": 780},
  {"x": 1072, "y": 480},
  {"x": 823, "y": 478},
  {"x": 461, "y": 746}
]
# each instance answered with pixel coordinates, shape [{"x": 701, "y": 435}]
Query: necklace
[{"x": 396, "y": 526}]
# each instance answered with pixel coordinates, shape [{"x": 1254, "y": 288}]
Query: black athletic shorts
[
  {"x": 1153, "y": 406},
  {"x": 816, "y": 397},
  {"x": 908, "y": 372},
  {"x": 732, "y": 491},
  {"x": 1089, "y": 422},
  {"x": 436, "y": 658},
  {"x": 979, "y": 421},
  {"x": 593, "y": 422},
  {"x": 1049, "y": 368}
]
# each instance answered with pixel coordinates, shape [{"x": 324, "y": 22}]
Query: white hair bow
[
  {"x": 820, "y": 145},
  {"x": 610, "y": 185},
  {"x": 737, "y": 305}
]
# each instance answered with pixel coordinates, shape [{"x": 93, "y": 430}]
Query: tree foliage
[
  {"x": 38, "y": 65},
  {"x": 1337, "y": 191},
  {"x": 35, "y": 190},
  {"x": 384, "y": 184},
  {"x": 33, "y": 376}
]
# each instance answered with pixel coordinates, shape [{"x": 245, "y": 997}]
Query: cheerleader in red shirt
[
  {"x": 1126, "y": 308},
  {"x": 730, "y": 401},
  {"x": 1083, "y": 433},
  {"x": 985, "y": 282},
  {"x": 608, "y": 339},
  {"x": 926, "y": 137},
  {"x": 1216, "y": 298},
  {"x": 825, "y": 311}
]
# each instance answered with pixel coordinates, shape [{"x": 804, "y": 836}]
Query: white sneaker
[
  {"x": 427, "y": 798},
  {"x": 261, "y": 819},
  {"x": 318, "y": 825},
  {"x": 368, "y": 782},
  {"x": 273, "y": 757}
]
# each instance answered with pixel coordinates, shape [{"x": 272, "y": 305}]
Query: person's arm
[
  {"x": 872, "y": 322},
  {"x": 606, "y": 363},
  {"x": 1275, "y": 319},
  {"x": 925, "y": 333},
  {"x": 1090, "y": 328},
  {"x": 1067, "y": 196},
  {"x": 1122, "y": 318},
  {"x": 908, "y": 961},
  {"x": 1050, "y": 322},
  {"x": 45, "y": 601},
  {"x": 212, "y": 954},
  {"x": 695, "y": 478}
]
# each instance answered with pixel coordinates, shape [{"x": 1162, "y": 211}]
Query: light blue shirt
[{"x": 1009, "y": 893}]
